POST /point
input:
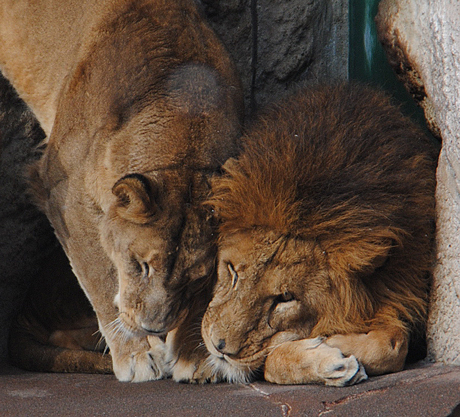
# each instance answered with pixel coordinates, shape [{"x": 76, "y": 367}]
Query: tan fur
[
  {"x": 141, "y": 106},
  {"x": 326, "y": 229},
  {"x": 311, "y": 361}
]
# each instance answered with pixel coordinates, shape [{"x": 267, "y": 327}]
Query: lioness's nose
[{"x": 221, "y": 345}]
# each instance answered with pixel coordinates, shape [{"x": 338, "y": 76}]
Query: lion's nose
[{"x": 225, "y": 348}]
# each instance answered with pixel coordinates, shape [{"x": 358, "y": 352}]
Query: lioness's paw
[
  {"x": 199, "y": 372},
  {"x": 338, "y": 371},
  {"x": 142, "y": 365}
]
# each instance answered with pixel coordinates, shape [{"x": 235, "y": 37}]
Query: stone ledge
[{"x": 429, "y": 390}]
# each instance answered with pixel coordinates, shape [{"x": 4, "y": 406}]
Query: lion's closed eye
[
  {"x": 285, "y": 297},
  {"x": 285, "y": 306},
  {"x": 233, "y": 274}
]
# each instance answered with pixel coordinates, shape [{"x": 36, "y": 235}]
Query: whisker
[
  {"x": 101, "y": 345},
  {"x": 117, "y": 329}
]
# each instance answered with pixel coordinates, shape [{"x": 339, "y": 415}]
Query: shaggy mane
[
  {"x": 341, "y": 166},
  {"x": 322, "y": 173}
]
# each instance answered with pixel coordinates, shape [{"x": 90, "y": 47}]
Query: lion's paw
[
  {"x": 142, "y": 365},
  {"x": 339, "y": 371},
  {"x": 309, "y": 361}
]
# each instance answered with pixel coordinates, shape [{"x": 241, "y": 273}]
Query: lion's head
[
  {"x": 260, "y": 301},
  {"x": 326, "y": 221}
]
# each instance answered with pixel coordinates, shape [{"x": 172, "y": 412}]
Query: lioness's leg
[
  {"x": 380, "y": 351},
  {"x": 312, "y": 361},
  {"x": 186, "y": 351}
]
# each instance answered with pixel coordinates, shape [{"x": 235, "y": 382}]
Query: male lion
[
  {"x": 325, "y": 243},
  {"x": 141, "y": 105}
]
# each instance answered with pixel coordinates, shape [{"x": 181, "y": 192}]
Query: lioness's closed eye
[
  {"x": 325, "y": 247},
  {"x": 141, "y": 105}
]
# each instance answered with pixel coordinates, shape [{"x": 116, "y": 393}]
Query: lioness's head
[
  {"x": 161, "y": 241},
  {"x": 158, "y": 166}
]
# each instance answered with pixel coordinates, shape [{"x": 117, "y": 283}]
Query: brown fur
[
  {"x": 327, "y": 219},
  {"x": 142, "y": 105}
]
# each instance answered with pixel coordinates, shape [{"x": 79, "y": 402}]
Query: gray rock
[
  {"x": 277, "y": 44},
  {"x": 423, "y": 42},
  {"x": 25, "y": 234}
]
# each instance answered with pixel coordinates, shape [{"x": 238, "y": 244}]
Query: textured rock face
[
  {"x": 25, "y": 234},
  {"x": 276, "y": 44},
  {"x": 423, "y": 42}
]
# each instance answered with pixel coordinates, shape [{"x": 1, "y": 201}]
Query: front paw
[
  {"x": 140, "y": 360},
  {"x": 197, "y": 371},
  {"x": 310, "y": 361},
  {"x": 338, "y": 371}
]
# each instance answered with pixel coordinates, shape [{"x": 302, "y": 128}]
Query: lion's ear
[
  {"x": 360, "y": 255},
  {"x": 134, "y": 200}
]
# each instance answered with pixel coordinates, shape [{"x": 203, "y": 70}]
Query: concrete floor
[{"x": 425, "y": 390}]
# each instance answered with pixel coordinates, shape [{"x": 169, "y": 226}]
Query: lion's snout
[
  {"x": 218, "y": 338},
  {"x": 220, "y": 347}
]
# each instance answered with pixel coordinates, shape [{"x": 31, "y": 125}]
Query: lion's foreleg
[
  {"x": 312, "y": 361},
  {"x": 380, "y": 351}
]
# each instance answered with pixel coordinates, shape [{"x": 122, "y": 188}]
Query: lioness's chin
[
  {"x": 231, "y": 371},
  {"x": 123, "y": 330},
  {"x": 127, "y": 325}
]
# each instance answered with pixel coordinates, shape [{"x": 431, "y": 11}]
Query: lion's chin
[{"x": 229, "y": 370}]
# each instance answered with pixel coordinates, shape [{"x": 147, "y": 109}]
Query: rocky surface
[
  {"x": 278, "y": 44},
  {"x": 423, "y": 43},
  {"x": 427, "y": 390},
  {"x": 25, "y": 234}
]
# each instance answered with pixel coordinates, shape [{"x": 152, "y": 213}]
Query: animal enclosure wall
[{"x": 423, "y": 42}]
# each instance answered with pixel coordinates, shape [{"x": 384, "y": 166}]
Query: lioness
[
  {"x": 141, "y": 105},
  {"x": 325, "y": 244}
]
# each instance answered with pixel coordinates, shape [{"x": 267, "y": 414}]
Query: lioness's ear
[
  {"x": 219, "y": 186},
  {"x": 134, "y": 198}
]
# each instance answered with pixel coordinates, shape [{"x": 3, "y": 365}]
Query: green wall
[{"x": 367, "y": 60}]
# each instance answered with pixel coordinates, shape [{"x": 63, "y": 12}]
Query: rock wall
[
  {"x": 25, "y": 234},
  {"x": 275, "y": 43},
  {"x": 422, "y": 39}
]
